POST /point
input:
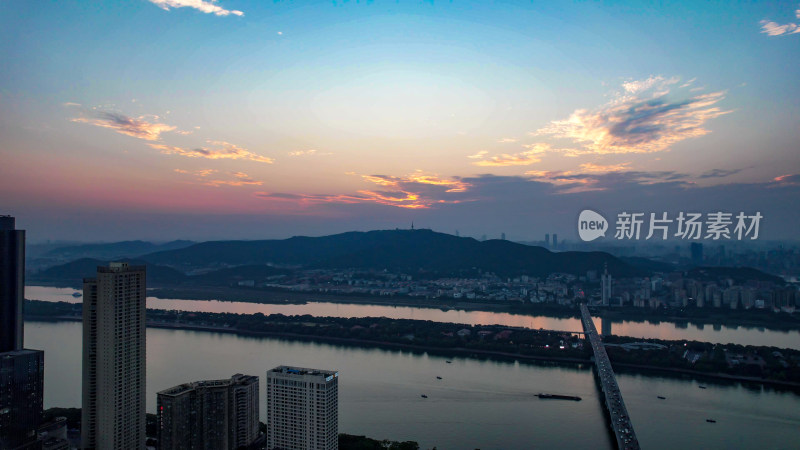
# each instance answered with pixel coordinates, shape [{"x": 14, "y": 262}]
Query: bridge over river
[{"x": 620, "y": 421}]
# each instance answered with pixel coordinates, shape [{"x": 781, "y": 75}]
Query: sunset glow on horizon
[{"x": 237, "y": 119}]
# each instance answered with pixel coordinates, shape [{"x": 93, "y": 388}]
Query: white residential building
[{"x": 302, "y": 409}]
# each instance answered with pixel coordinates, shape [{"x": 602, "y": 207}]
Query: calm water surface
[
  {"x": 477, "y": 404},
  {"x": 664, "y": 330}
]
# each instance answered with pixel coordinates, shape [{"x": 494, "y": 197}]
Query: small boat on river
[{"x": 558, "y": 397}]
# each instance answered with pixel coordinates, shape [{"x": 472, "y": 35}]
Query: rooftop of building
[
  {"x": 7, "y": 223},
  {"x": 116, "y": 267},
  {"x": 290, "y": 370},
  {"x": 237, "y": 379},
  {"x": 23, "y": 351}
]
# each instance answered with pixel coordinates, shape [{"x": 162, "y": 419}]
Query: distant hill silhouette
[
  {"x": 738, "y": 274},
  {"x": 113, "y": 250},
  {"x": 73, "y": 273},
  {"x": 394, "y": 250},
  {"x": 648, "y": 264},
  {"x": 234, "y": 274}
]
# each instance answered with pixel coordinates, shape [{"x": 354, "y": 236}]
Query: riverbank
[
  {"x": 447, "y": 339},
  {"x": 749, "y": 319},
  {"x": 448, "y": 351},
  {"x": 701, "y": 317}
]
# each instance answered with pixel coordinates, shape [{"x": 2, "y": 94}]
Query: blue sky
[{"x": 172, "y": 118}]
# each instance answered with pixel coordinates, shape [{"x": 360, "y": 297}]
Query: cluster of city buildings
[
  {"x": 302, "y": 403},
  {"x": 673, "y": 289},
  {"x": 487, "y": 287},
  {"x": 681, "y": 290},
  {"x": 302, "y": 412}
]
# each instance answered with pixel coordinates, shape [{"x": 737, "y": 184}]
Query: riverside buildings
[
  {"x": 113, "y": 413},
  {"x": 302, "y": 408},
  {"x": 21, "y": 370},
  {"x": 212, "y": 415}
]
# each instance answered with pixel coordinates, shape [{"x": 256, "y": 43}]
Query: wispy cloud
[
  {"x": 311, "y": 152},
  {"x": 216, "y": 150},
  {"x": 146, "y": 127},
  {"x": 604, "y": 168},
  {"x": 479, "y": 155},
  {"x": 602, "y": 177},
  {"x": 233, "y": 179},
  {"x": 239, "y": 179},
  {"x": 525, "y": 158},
  {"x": 788, "y": 180},
  {"x": 506, "y": 140},
  {"x": 310, "y": 199},
  {"x": 399, "y": 199},
  {"x": 418, "y": 190},
  {"x": 418, "y": 177},
  {"x": 198, "y": 173},
  {"x": 638, "y": 86},
  {"x": 208, "y": 7},
  {"x": 639, "y": 120},
  {"x": 719, "y": 173},
  {"x": 771, "y": 28},
  {"x": 590, "y": 179}
]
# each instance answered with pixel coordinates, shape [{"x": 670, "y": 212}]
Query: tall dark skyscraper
[
  {"x": 12, "y": 284},
  {"x": 21, "y": 370}
]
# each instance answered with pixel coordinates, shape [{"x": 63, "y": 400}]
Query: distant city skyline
[{"x": 240, "y": 119}]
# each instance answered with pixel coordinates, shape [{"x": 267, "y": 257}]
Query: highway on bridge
[{"x": 620, "y": 421}]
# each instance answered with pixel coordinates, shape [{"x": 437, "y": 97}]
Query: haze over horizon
[{"x": 234, "y": 119}]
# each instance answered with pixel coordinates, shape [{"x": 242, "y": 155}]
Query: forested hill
[{"x": 393, "y": 250}]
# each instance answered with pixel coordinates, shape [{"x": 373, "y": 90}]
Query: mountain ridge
[{"x": 393, "y": 250}]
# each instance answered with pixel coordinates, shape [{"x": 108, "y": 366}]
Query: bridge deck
[{"x": 620, "y": 420}]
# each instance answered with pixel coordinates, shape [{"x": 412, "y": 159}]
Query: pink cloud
[
  {"x": 418, "y": 190},
  {"x": 217, "y": 150},
  {"x": 129, "y": 126}
]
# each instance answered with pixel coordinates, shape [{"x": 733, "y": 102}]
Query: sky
[{"x": 235, "y": 119}]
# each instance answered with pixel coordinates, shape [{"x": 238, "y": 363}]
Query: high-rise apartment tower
[
  {"x": 302, "y": 409},
  {"x": 113, "y": 414},
  {"x": 209, "y": 415}
]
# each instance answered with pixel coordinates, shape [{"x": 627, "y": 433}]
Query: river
[
  {"x": 478, "y": 403},
  {"x": 662, "y": 330}
]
